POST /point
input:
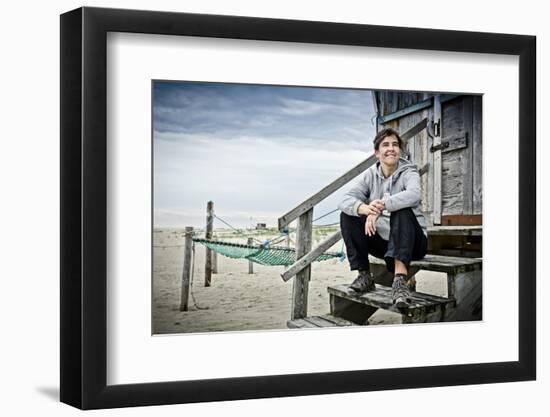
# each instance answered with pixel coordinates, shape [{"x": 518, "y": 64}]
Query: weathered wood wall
[{"x": 462, "y": 167}]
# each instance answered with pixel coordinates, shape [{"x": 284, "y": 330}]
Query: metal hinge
[
  {"x": 437, "y": 128},
  {"x": 451, "y": 143},
  {"x": 440, "y": 147}
]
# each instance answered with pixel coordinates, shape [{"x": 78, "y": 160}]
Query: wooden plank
[
  {"x": 250, "y": 242},
  {"x": 427, "y": 180},
  {"x": 186, "y": 274},
  {"x": 455, "y": 231},
  {"x": 311, "y": 256},
  {"x": 214, "y": 262},
  {"x": 439, "y": 263},
  {"x": 349, "y": 310},
  {"x": 477, "y": 150},
  {"x": 466, "y": 288},
  {"x": 424, "y": 169},
  {"x": 309, "y": 203},
  {"x": 381, "y": 298},
  {"x": 415, "y": 107},
  {"x": 462, "y": 220},
  {"x": 468, "y": 183},
  {"x": 415, "y": 130},
  {"x": 300, "y": 285},
  {"x": 453, "y": 143},
  {"x": 452, "y": 184},
  {"x": 323, "y": 321},
  {"x": 407, "y": 110},
  {"x": 319, "y": 322},
  {"x": 338, "y": 321},
  {"x": 437, "y": 167},
  {"x": 299, "y": 324}
]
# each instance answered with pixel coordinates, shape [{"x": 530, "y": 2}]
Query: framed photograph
[{"x": 250, "y": 205}]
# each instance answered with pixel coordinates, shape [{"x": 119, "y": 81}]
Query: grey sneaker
[
  {"x": 400, "y": 292},
  {"x": 363, "y": 283}
]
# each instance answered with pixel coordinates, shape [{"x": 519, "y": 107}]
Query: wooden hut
[{"x": 448, "y": 151}]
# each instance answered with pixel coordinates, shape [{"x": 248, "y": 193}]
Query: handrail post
[
  {"x": 300, "y": 285},
  {"x": 250, "y": 242},
  {"x": 186, "y": 274},
  {"x": 208, "y": 257}
]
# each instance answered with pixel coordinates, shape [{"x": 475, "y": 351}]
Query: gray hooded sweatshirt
[{"x": 400, "y": 190}]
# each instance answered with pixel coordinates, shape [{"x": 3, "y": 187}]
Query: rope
[
  {"x": 236, "y": 230},
  {"x": 326, "y": 225},
  {"x": 325, "y": 215}
]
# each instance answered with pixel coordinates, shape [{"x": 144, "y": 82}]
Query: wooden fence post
[
  {"x": 208, "y": 257},
  {"x": 300, "y": 285},
  {"x": 186, "y": 275},
  {"x": 250, "y": 263},
  {"x": 214, "y": 262}
]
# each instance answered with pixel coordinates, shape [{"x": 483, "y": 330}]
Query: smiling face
[{"x": 388, "y": 151}]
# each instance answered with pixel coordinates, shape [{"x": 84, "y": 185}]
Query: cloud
[
  {"x": 234, "y": 110},
  {"x": 252, "y": 149}
]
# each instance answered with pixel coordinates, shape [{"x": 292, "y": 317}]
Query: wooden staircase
[{"x": 463, "y": 300}]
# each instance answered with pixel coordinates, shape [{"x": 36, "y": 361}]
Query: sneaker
[
  {"x": 363, "y": 283},
  {"x": 400, "y": 292}
]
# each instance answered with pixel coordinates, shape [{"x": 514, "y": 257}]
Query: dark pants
[{"x": 407, "y": 240}]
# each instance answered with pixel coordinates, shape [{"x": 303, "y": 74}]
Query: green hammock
[{"x": 264, "y": 255}]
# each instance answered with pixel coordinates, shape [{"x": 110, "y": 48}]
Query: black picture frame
[{"x": 84, "y": 207}]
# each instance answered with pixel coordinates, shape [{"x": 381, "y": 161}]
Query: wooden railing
[{"x": 304, "y": 213}]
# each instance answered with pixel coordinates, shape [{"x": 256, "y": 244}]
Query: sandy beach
[{"x": 237, "y": 300}]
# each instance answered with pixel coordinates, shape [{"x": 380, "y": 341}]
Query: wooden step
[
  {"x": 455, "y": 230},
  {"x": 325, "y": 320},
  {"x": 348, "y": 304},
  {"x": 448, "y": 264}
]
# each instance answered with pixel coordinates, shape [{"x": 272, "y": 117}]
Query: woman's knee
[{"x": 347, "y": 219}]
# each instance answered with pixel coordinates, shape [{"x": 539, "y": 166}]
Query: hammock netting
[{"x": 264, "y": 255}]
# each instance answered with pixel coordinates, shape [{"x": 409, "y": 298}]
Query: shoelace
[{"x": 400, "y": 289}]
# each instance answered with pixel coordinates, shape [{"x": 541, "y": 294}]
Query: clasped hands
[{"x": 372, "y": 211}]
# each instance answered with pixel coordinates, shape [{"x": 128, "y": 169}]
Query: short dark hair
[{"x": 384, "y": 133}]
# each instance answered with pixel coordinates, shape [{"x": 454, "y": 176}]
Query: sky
[{"x": 256, "y": 151}]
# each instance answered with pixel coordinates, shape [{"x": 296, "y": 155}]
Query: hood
[
  {"x": 404, "y": 165},
  {"x": 386, "y": 185}
]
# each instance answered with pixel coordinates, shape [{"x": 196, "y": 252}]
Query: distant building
[{"x": 260, "y": 226}]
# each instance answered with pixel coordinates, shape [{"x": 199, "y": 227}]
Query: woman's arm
[{"x": 409, "y": 197}]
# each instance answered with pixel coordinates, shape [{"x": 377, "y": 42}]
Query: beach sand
[{"x": 237, "y": 300}]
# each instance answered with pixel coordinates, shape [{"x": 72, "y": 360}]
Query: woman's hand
[
  {"x": 370, "y": 224},
  {"x": 370, "y": 209}
]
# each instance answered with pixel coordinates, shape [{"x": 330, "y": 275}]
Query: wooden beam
[
  {"x": 468, "y": 178},
  {"x": 421, "y": 105},
  {"x": 250, "y": 263},
  {"x": 458, "y": 230},
  {"x": 415, "y": 130},
  {"x": 186, "y": 274},
  {"x": 214, "y": 262},
  {"x": 300, "y": 287},
  {"x": 437, "y": 171},
  {"x": 311, "y": 256},
  {"x": 424, "y": 169},
  {"x": 452, "y": 143},
  {"x": 308, "y": 204},
  {"x": 208, "y": 257},
  {"x": 462, "y": 220}
]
